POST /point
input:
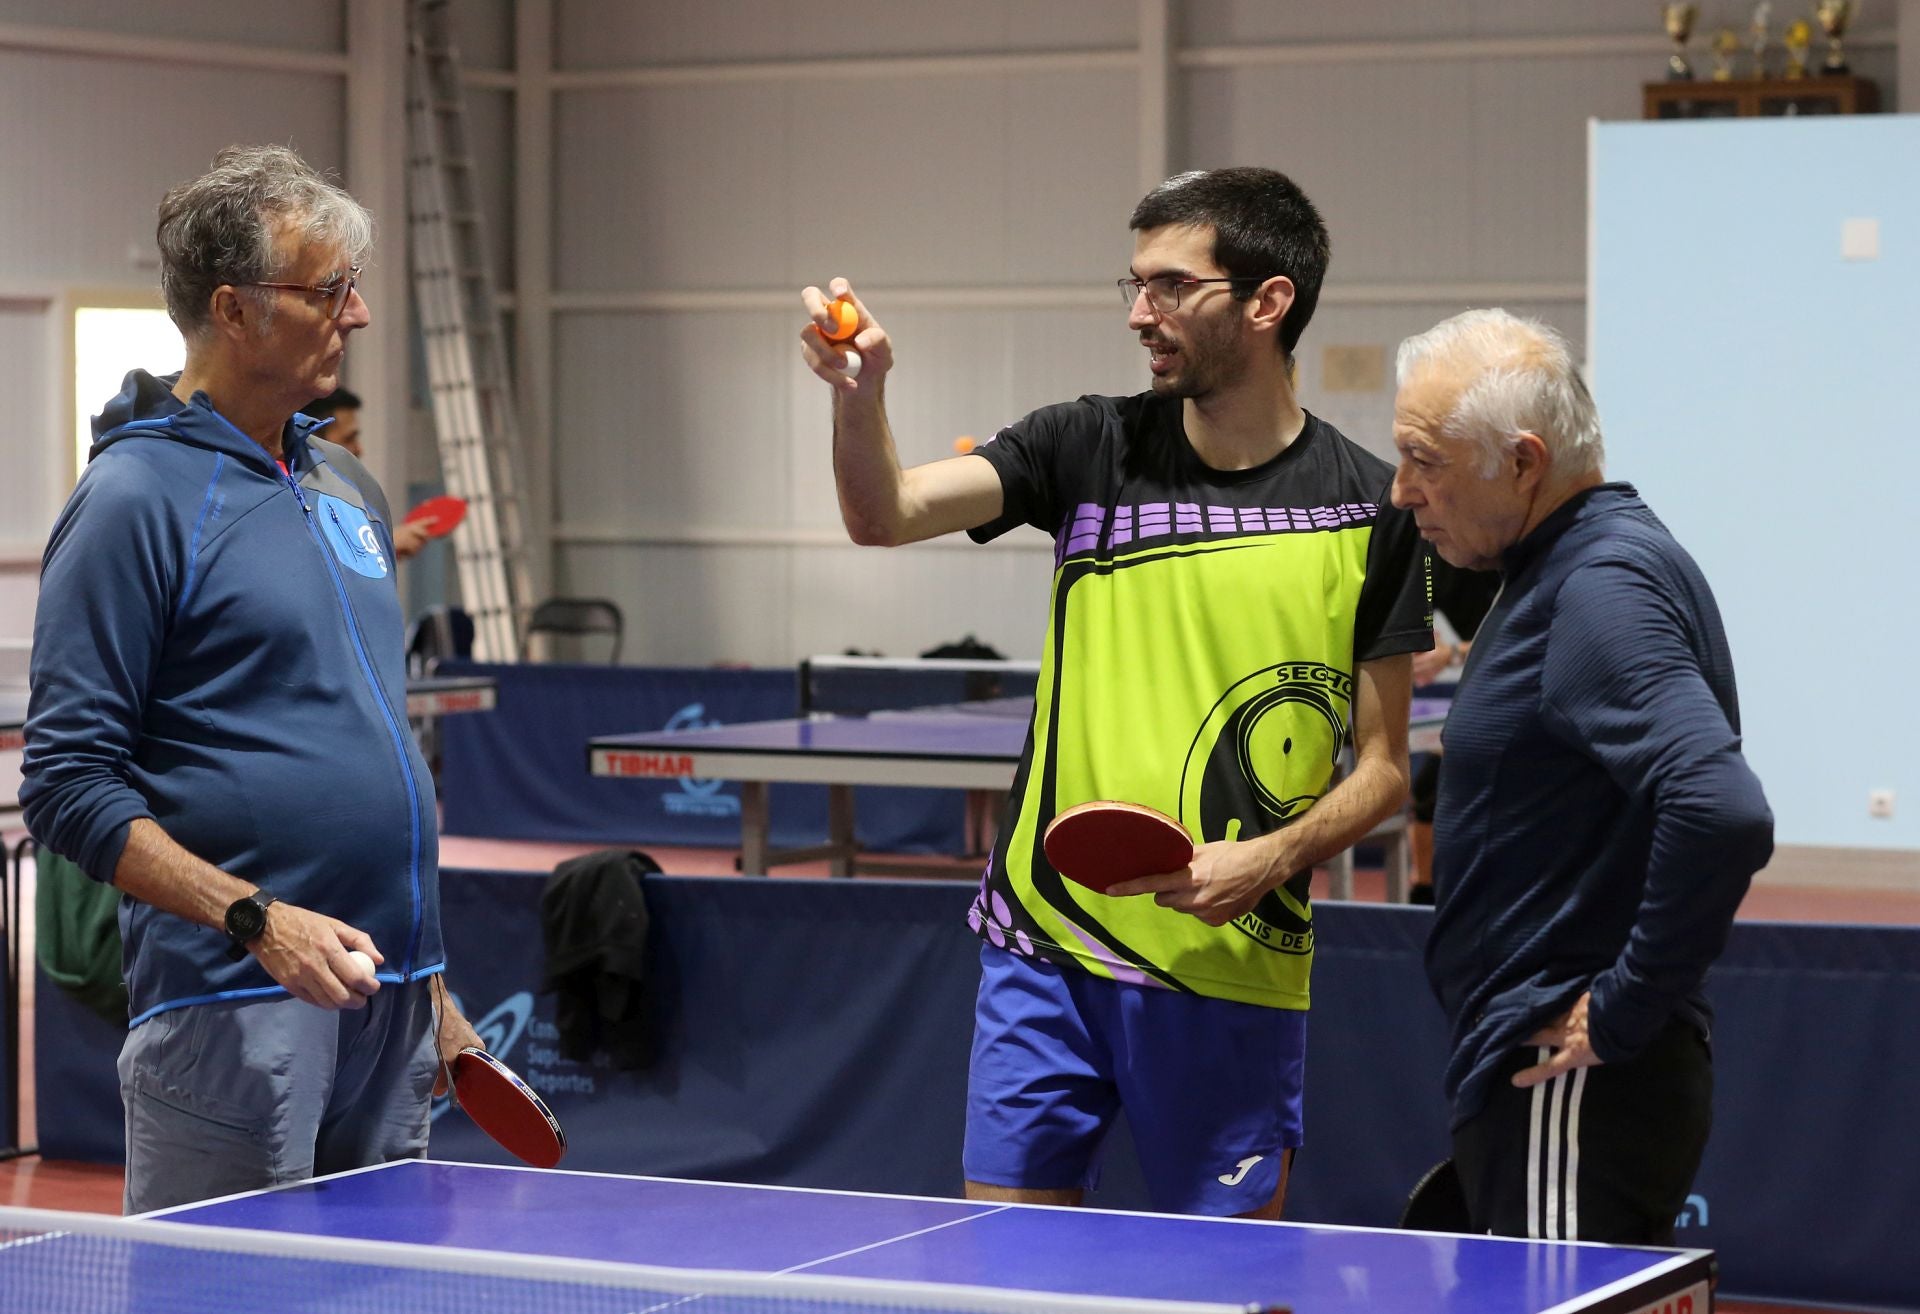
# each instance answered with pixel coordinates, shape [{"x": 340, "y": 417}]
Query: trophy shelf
[{"x": 1705, "y": 99}]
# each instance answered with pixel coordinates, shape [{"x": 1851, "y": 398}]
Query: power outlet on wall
[{"x": 1879, "y": 802}]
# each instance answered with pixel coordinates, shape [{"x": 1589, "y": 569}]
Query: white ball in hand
[
  {"x": 364, "y": 962},
  {"x": 852, "y": 368}
]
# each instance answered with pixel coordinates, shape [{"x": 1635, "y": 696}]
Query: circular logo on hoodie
[{"x": 354, "y": 540}]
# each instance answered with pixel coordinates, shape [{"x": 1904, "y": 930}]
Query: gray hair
[
  {"x": 1522, "y": 379},
  {"x": 220, "y": 228}
]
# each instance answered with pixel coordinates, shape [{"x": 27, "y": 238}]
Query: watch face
[{"x": 245, "y": 919}]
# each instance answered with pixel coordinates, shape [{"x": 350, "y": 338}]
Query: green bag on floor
[{"x": 77, "y": 935}]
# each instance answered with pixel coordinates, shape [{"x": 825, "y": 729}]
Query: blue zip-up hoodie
[{"x": 218, "y": 647}]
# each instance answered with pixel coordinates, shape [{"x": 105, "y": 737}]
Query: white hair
[{"x": 1521, "y": 378}]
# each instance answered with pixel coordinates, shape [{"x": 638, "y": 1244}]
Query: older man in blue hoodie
[{"x": 218, "y": 719}]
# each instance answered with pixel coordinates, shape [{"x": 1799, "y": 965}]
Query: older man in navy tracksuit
[{"x": 1596, "y": 825}]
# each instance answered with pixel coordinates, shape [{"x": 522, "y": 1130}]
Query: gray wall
[
  {"x": 970, "y": 166},
  {"x": 660, "y": 180}
]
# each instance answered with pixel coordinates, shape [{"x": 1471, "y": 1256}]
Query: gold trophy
[
  {"x": 1726, "y": 44},
  {"x": 1834, "y": 15},
  {"x": 1679, "y": 26},
  {"x": 1757, "y": 34},
  {"x": 1798, "y": 39}
]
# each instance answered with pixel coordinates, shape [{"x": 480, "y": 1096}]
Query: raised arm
[{"x": 880, "y": 503}]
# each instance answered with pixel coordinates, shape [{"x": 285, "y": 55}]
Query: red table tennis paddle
[
  {"x": 1102, "y": 843},
  {"x": 441, "y": 515},
  {"x": 506, "y": 1108}
]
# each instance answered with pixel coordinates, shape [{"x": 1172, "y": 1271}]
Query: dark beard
[{"x": 1209, "y": 362}]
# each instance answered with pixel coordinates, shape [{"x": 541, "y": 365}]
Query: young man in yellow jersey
[{"x": 1234, "y": 598}]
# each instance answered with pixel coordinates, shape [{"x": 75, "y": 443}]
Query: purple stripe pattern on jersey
[{"x": 1152, "y": 520}]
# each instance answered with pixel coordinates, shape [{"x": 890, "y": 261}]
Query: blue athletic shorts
[{"x": 1211, "y": 1088}]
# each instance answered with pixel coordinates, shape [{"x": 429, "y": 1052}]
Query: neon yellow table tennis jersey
[{"x": 1202, "y": 638}]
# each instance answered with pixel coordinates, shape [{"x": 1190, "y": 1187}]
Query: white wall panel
[
  {"x": 1445, "y": 171},
  {"x": 920, "y": 198},
  {"x": 1528, "y": 17},
  {"x": 1237, "y": 22},
  {"x": 1229, "y": 22},
  {"x": 683, "y": 187},
  {"x": 903, "y": 601},
  {"x": 38, "y": 448},
  {"x": 1524, "y": 163},
  {"x": 1073, "y": 175},
  {"x": 974, "y": 180},
  {"x": 596, "y": 34},
  {"x": 688, "y": 606},
  {"x": 675, "y": 420},
  {"x": 98, "y": 141},
  {"x": 483, "y": 33},
  {"x": 1061, "y": 354},
  {"x": 1378, "y": 147},
  {"x": 490, "y": 137},
  {"x": 315, "y": 25}
]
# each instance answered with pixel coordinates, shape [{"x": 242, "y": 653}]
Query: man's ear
[
  {"x": 230, "y": 313},
  {"x": 1269, "y": 305},
  {"x": 1530, "y": 457}
]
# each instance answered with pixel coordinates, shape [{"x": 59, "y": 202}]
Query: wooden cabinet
[{"x": 1703, "y": 99}]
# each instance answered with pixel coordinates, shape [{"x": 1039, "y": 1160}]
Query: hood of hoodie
[{"x": 145, "y": 403}]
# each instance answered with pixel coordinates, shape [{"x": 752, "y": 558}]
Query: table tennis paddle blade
[
  {"x": 1102, "y": 843},
  {"x": 506, "y": 1108},
  {"x": 441, "y": 515}
]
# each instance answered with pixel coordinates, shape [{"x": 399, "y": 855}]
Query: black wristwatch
[{"x": 247, "y": 918}]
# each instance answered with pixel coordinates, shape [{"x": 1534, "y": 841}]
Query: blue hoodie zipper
[
  {"x": 379, "y": 695},
  {"x": 386, "y": 711}
]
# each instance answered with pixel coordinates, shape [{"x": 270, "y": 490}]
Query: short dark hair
[
  {"x": 340, "y": 399},
  {"x": 1263, "y": 225}
]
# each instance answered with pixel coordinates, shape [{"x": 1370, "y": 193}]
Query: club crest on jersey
[
  {"x": 1264, "y": 755},
  {"x": 354, "y": 540}
]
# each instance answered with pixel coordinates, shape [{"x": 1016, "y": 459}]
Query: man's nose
[
  {"x": 1403, "y": 492},
  {"x": 1143, "y": 313},
  {"x": 356, "y": 313}
]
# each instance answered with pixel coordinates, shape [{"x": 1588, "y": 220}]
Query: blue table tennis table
[
  {"x": 973, "y": 746},
  {"x": 448, "y": 1225}
]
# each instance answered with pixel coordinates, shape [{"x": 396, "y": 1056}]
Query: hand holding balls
[{"x": 845, "y": 317}]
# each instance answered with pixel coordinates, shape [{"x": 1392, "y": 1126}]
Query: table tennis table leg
[
  {"x": 840, "y": 830},
  {"x": 754, "y": 826},
  {"x": 1396, "y": 865},
  {"x": 1340, "y": 875}
]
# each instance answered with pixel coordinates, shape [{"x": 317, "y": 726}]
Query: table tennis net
[
  {"x": 65, "y": 1263},
  {"x": 859, "y": 686}
]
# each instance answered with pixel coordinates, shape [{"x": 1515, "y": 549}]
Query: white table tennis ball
[
  {"x": 365, "y": 960},
  {"x": 852, "y": 368}
]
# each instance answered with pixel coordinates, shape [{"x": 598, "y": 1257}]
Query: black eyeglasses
[
  {"x": 1163, "y": 293},
  {"x": 335, "y": 290}
]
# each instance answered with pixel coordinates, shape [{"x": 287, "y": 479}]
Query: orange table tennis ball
[
  {"x": 962, "y": 445},
  {"x": 845, "y": 317}
]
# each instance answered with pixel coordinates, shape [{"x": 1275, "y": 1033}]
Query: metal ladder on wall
[{"x": 473, "y": 409}]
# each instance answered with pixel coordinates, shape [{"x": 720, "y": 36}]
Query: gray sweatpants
[{"x": 243, "y": 1094}]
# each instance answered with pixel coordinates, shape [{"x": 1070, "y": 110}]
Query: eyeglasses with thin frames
[
  {"x": 336, "y": 290},
  {"x": 1163, "y": 293}
]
